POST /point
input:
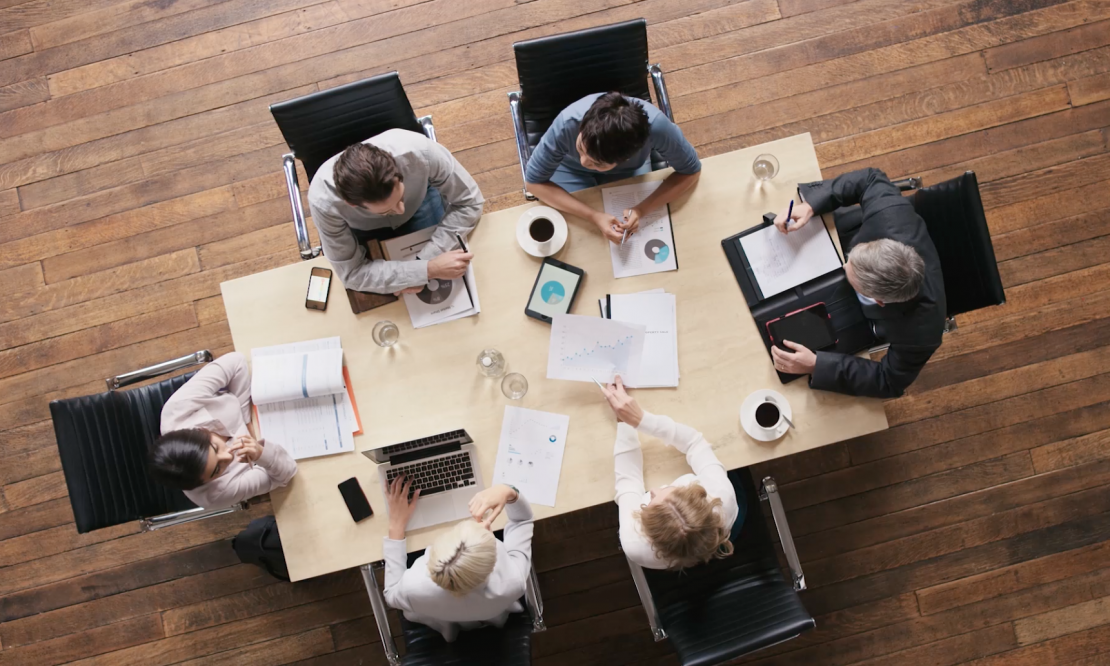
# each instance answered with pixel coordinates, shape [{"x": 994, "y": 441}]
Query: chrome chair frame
[
  {"x": 768, "y": 492},
  {"x": 119, "y": 381},
  {"x": 524, "y": 151},
  {"x": 292, "y": 186},
  {"x": 532, "y": 598}
]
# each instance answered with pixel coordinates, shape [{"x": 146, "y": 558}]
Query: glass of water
[
  {"x": 765, "y": 167},
  {"x": 385, "y": 333},
  {"x": 514, "y": 386}
]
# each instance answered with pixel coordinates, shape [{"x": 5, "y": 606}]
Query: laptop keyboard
[{"x": 435, "y": 476}]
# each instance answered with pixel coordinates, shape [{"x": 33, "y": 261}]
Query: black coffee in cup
[
  {"x": 767, "y": 415},
  {"x": 541, "y": 230}
]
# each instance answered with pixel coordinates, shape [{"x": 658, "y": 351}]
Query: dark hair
[
  {"x": 178, "y": 458},
  {"x": 365, "y": 174},
  {"x": 613, "y": 129}
]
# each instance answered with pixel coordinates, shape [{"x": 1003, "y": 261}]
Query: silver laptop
[{"x": 445, "y": 469}]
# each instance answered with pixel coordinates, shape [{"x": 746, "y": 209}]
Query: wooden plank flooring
[{"x": 139, "y": 168}]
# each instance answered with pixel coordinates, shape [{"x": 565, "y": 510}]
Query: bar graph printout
[{"x": 586, "y": 348}]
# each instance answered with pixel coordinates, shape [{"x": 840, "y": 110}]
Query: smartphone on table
[{"x": 319, "y": 286}]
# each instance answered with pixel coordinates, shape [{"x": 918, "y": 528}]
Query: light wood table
[{"x": 429, "y": 383}]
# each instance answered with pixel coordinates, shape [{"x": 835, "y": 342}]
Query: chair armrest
[
  {"x": 427, "y": 126},
  {"x": 535, "y": 601},
  {"x": 166, "y": 367},
  {"x": 523, "y": 150},
  {"x": 907, "y": 184},
  {"x": 660, "y": 86},
  {"x": 770, "y": 492},
  {"x": 289, "y": 165},
  {"x": 646, "y": 600},
  {"x": 381, "y": 617}
]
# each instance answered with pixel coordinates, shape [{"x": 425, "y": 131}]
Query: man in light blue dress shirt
[{"x": 603, "y": 138}]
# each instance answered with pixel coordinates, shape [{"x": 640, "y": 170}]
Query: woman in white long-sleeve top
[
  {"x": 679, "y": 525},
  {"x": 206, "y": 448},
  {"x": 467, "y": 578}
]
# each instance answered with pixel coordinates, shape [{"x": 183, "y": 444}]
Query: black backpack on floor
[{"x": 260, "y": 545}]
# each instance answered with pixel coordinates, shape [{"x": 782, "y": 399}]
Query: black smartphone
[
  {"x": 319, "y": 286},
  {"x": 356, "y": 500},
  {"x": 554, "y": 291}
]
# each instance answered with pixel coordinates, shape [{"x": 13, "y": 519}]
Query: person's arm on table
[
  {"x": 852, "y": 375},
  {"x": 394, "y": 545},
  {"x": 462, "y": 200},
  {"x": 699, "y": 455},
  {"x": 487, "y": 505},
  {"x": 356, "y": 270}
]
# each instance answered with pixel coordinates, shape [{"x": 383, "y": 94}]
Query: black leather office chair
[
  {"x": 103, "y": 441},
  {"x": 555, "y": 71},
  {"x": 953, "y": 212},
  {"x": 322, "y": 124},
  {"x": 510, "y": 645},
  {"x": 733, "y": 606}
]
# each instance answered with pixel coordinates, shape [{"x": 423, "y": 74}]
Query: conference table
[{"x": 428, "y": 383}]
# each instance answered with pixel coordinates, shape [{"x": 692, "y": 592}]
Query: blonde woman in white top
[
  {"x": 467, "y": 578},
  {"x": 684, "y": 523}
]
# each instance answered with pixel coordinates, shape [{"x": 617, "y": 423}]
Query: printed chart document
[
  {"x": 784, "y": 261},
  {"x": 657, "y": 313},
  {"x": 320, "y": 424},
  {"x": 440, "y": 300},
  {"x": 649, "y": 250},
  {"x": 583, "y": 349},
  {"x": 530, "y": 453}
]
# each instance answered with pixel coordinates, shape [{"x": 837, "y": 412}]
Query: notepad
[{"x": 783, "y": 261}]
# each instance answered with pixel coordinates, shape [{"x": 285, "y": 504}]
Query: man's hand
[
  {"x": 610, "y": 227},
  {"x": 400, "y": 508},
  {"x": 624, "y": 406},
  {"x": 245, "y": 449},
  {"x": 486, "y": 506},
  {"x": 449, "y": 265},
  {"x": 801, "y": 362},
  {"x": 410, "y": 290},
  {"x": 632, "y": 220},
  {"x": 798, "y": 217}
]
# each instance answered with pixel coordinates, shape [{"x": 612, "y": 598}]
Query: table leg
[{"x": 377, "y": 602}]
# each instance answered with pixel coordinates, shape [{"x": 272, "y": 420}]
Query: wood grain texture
[{"x": 139, "y": 170}]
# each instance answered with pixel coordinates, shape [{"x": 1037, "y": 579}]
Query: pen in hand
[
  {"x": 789, "y": 211},
  {"x": 463, "y": 244}
]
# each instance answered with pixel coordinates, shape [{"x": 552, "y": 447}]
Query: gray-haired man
[{"x": 893, "y": 266}]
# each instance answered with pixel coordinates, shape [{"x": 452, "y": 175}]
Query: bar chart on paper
[
  {"x": 530, "y": 452},
  {"x": 587, "y": 348}
]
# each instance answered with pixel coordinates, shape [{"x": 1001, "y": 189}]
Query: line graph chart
[{"x": 587, "y": 348}]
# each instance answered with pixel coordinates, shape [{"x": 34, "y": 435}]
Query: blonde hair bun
[{"x": 463, "y": 557}]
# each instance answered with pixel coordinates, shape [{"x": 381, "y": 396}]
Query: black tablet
[
  {"x": 554, "y": 291},
  {"x": 810, "y": 327}
]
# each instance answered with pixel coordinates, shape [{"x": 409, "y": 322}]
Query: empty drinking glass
[
  {"x": 385, "y": 333},
  {"x": 765, "y": 167},
  {"x": 514, "y": 386}
]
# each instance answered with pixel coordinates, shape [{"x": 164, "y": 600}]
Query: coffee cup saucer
[
  {"x": 546, "y": 248},
  {"x": 747, "y": 415}
]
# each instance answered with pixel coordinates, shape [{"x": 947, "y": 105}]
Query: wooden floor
[{"x": 139, "y": 168}]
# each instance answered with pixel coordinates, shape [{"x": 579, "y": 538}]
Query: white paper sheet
[
  {"x": 295, "y": 375},
  {"x": 784, "y": 261},
  {"x": 530, "y": 453},
  {"x": 587, "y": 348},
  {"x": 307, "y": 427},
  {"x": 441, "y": 300},
  {"x": 657, "y": 313},
  {"x": 649, "y": 250}
]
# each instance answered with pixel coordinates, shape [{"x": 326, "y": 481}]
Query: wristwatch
[{"x": 515, "y": 490}]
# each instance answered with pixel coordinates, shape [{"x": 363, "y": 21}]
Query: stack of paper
[
  {"x": 651, "y": 248},
  {"x": 440, "y": 300},
  {"x": 656, "y": 311},
  {"x": 530, "y": 453},
  {"x": 302, "y": 399}
]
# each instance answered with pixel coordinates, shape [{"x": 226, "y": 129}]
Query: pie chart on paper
[{"x": 657, "y": 250}]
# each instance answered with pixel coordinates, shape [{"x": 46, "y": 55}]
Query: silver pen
[
  {"x": 598, "y": 384},
  {"x": 623, "y": 236}
]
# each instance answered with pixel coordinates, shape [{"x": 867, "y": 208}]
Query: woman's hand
[
  {"x": 400, "y": 507},
  {"x": 245, "y": 449},
  {"x": 624, "y": 406},
  {"x": 486, "y": 506},
  {"x": 798, "y": 218},
  {"x": 609, "y": 226},
  {"x": 632, "y": 220}
]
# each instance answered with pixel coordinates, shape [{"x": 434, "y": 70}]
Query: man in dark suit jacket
[{"x": 894, "y": 268}]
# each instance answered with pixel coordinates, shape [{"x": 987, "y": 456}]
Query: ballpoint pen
[
  {"x": 789, "y": 211},
  {"x": 598, "y": 384}
]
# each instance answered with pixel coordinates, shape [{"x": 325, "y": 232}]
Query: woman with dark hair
[{"x": 207, "y": 449}]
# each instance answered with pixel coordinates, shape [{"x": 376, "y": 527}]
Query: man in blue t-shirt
[{"x": 602, "y": 138}]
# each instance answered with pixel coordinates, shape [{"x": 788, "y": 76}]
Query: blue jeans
[
  {"x": 573, "y": 180},
  {"x": 429, "y": 214}
]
